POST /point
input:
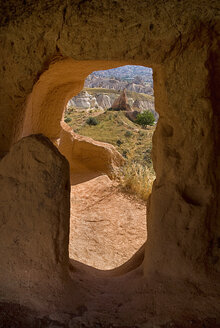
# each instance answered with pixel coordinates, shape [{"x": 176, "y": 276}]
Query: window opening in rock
[{"x": 111, "y": 180}]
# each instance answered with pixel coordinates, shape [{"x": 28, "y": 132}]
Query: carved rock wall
[
  {"x": 184, "y": 160},
  {"x": 179, "y": 40}
]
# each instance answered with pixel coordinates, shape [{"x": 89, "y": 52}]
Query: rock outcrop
[
  {"x": 121, "y": 103},
  {"x": 104, "y": 101},
  {"x": 34, "y": 221},
  {"x": 83, "y": 101},
  {"x": 132, "y": 115},
  {"x": 84, "y": 153}
]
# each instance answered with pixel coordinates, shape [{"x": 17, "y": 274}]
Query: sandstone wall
[
  {"x": 34, "y": 221},
  {"x": 184, "y": 157},
  {"x": 179, "y": 40}
]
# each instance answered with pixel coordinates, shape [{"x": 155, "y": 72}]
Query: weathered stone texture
[
  {"x": 34, "y": 221},
  {"x": 84, "y": 153}
]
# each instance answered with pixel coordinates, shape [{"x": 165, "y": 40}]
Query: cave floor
[{"x": 107, "y": 225}]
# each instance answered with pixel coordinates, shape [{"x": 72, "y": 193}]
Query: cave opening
[{"x": 114, "y": 111}]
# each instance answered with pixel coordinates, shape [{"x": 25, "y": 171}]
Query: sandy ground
[{"x": 107, "y": 226}]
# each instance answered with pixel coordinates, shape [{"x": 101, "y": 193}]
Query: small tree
[
  {"x": 67, "y": 120},
  {"x": 145, "y": 118},
  {"x": 92, "y": 121}
]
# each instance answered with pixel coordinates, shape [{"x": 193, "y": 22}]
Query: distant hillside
[
  {"x": 134, "y": 78},
  {"x": 127, "y": 72}
]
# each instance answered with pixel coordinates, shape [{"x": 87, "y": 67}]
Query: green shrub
[
  {"x": 124, "y": 153},
  {"x": 91, "y": 121},
  {"x": 119, "y": 142},
  {"x": 145, "y": 118},
  {"x": 128, "y": 134},
  {"x": 67, "y": 120}
]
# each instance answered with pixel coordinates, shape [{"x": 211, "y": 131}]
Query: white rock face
[
  {"x": 71, "y": 103},
  {"x": 82, "y": 103},
  {"x": 104, "y": 101},
  {"x": 93, "y": 103},
  {"x": 86, "y": 101},
  {"x": 130, "y": 101}
]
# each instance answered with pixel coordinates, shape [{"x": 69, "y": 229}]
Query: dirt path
[{"x": 107, "y": 226}]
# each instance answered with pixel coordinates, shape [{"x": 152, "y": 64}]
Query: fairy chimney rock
[{"x": 121, "y": 103}]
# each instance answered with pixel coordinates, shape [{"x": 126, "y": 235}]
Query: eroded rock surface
[
  {"x": 34, "y": 221},
  {"x": 84, "y": 153}
]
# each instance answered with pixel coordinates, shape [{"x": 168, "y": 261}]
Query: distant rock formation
[
  {"x": 136, "y": 84},
  {"x": 104, "y": 101},
  {"x": 121, "y": 103},
  {"x": 101, "y": 100},
  {"x": 86, "y": 101},
  {"x": 81, "y": 101},
  {"x": 142, "y": 105}
]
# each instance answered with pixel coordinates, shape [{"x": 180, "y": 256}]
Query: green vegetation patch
[
  {"x": 130, "y": 139},
  {"x": 145, "y": 118},
  {"x": 91, "y": 121}
]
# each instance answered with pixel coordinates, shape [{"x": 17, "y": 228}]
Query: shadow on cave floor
[
  {"x": 80, "y": 177},
  {"x": 123, "y": 301}
]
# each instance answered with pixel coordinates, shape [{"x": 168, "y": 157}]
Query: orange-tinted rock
[
  {"x": 34, "y": 221},
  {"x": 84, "y": 153}
]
